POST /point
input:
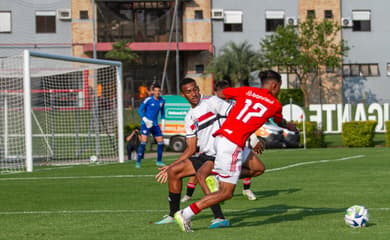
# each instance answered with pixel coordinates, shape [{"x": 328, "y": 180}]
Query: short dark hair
[
  {"x": 221, "y": 84},
  {"x": 269, "y": 75},
  {"x": 186, "y": 81},
  {"x": 156, "y": 85}
]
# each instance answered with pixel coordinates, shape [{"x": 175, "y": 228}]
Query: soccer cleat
[
  {"x": 218, "y": 223},
  {"x": 186, "y": 198},
  {"x": 137, "y": 165},
  {"x": 212, "y": 183},
  {"x": 166, "y": 219},
  {"x": 160, "y": 164},
  {"x": 184, "y": 224},
  {"x": 251, "y": 196}
]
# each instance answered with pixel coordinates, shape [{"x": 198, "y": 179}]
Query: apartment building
[{"x": 365, "y": 75}]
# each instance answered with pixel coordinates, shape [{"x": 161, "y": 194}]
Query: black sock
[
  {"x": 247, "y": 186},
  {"x": 190, "y": 189},
  {"x": 174, "y": 203},
  {"x": 217, "y": 211}
]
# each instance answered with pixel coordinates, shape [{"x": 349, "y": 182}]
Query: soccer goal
[{"x": 59, "y": 110}]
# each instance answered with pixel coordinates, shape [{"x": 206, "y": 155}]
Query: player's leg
[
  {"x": 227, "y": 165},
  {"x": 156, "y": 131},
  {"x": 129, "y": 150},
  {"x": 202, "y": 174},
  {"x": 253, "y": 166},
  {"x": 176, "y": 173},
  {"x": 191, "y": 185},
  {"x": 141, "y": 147},
  {"x": 247, "y": 189}
]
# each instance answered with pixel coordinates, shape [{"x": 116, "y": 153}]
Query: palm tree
[{"x": 236, "y": 61}]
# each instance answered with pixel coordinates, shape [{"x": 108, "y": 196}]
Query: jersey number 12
[{"x": 251, "y": 110}]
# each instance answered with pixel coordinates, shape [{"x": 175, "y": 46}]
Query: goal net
[{"x": 57, "y": 110}]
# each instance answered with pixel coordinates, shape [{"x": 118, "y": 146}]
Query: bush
[
  {"x": 314, "y": 136},
  {"x": 294, "y": 93},
  {"x": 387, "y": 128},
  {"x": 358, "y": 134}
]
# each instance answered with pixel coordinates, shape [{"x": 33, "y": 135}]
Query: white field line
[
  {"x": 143, "y": 211},
  {"x": 140, "y": 176},
  {"x": 313, "y": 162}
]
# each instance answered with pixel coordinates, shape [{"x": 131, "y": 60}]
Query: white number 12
[{"x": 245, "y": 114}]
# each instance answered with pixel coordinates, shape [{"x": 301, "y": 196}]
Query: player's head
[
  {"x": 221, "y": 85},
  {"x": 190, "y": 90},
  {"x": 156, "y": 90},
  {"x": 271, "y": 80}
]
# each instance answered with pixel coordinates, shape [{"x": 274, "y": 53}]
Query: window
[
  {"x": 198, "y": 14},
  {"x": 45, "y": 22},
  {"x": 311, "y": 14},
  {"x": 84, "y": 14},
  {"x": 273, "y": 19},
  {"x": 232, "y": 21},
  {"x": 328, "y": 14},
  {"x": 5, "y": 22},
  {"x": 199, "y": 68},
  {"x": 362, "y": 70},
  {"x": 361, "y": 21}
]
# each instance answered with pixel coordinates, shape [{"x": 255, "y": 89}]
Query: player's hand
[
  {"x": 148, "y": 123},
  {"x": 162, "y": 176},
  {"x": 260, "y": 146}
]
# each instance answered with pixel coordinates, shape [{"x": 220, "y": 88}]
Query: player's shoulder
[{"x": 147, "y": 99}]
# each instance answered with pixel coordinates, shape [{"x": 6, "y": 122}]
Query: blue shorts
[{"x": 155, "y": 130}]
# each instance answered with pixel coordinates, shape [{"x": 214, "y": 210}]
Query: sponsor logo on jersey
[{"x": 254, "y": 95}]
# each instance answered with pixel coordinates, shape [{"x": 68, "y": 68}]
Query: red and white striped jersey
[{"x": 204, "y": 119}]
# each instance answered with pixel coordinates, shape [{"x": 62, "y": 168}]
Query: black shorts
[{"x": 199, "y": 160}]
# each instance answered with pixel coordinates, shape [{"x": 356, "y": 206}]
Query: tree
[
  {"x": 120, "y": 51},
  {"x": 306, "y": 51},
  {"x": 236, "y": 61}
]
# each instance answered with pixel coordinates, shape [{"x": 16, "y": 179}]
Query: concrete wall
[{"x": 23, "y": 35}]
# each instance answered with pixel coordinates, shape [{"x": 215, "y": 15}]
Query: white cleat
[
  {"x": 251, "y": 196},
  {"x": 186, "y": 198}
]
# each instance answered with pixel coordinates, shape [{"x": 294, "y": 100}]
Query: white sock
[{"x": 188, "y": 213}]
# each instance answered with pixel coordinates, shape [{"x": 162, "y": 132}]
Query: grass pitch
[{"x": 302, "y": 195}]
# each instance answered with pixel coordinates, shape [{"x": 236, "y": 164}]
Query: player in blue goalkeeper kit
[{"x": 148, "y": 112}]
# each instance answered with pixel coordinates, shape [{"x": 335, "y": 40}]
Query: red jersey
[{"x": 254, "y": 106}]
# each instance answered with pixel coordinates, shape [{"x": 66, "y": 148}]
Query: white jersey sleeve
[{"x": 219, "y": 106}]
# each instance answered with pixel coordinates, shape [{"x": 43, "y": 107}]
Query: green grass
[{"x": 117, "y": 201}]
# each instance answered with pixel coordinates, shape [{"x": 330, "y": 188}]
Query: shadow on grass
[{"x": 276, "y": 213}]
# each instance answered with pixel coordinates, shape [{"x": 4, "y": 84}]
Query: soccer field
[{"x": 302, "y": 195}]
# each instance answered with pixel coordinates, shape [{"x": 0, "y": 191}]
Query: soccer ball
[
  {"x": 93, "y": 159},
  {"x": 356, "y": 216}
]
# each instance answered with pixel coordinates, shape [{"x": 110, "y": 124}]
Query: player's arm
[
  {"x": 191, "y": 143},
  {"x": 141, "y": 109}
]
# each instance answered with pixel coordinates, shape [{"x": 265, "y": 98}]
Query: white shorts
[{"x": 228, "y": 160}]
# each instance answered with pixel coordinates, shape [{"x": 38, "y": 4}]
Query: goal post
[{"x": 59, "y": 110}]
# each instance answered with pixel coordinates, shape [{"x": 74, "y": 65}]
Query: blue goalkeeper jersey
[{"x": 150, "y": 108}]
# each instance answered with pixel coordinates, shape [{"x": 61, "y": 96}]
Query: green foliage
[
  {"x": 314, "y": 135},
  {"x": 387, "y": 125},
  {"x": 305, "y": 51},
  {"x": 236, "y": 61},
  {"x": 295, "y": 94},
  {"x": 359, "y": 134},
  {"x": 120, "y": 51}
]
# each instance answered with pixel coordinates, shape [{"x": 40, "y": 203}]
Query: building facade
[
  {"x": 365, "y": 74},
  {"x": 66, "y": 27}
]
